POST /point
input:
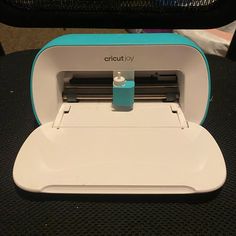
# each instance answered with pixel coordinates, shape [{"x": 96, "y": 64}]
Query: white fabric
[{"x": 209, "y": 41}]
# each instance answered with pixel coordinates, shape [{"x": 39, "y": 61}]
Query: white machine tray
[{"x": 146, "y": 151}]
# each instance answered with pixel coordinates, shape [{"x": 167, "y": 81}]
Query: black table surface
[{"x": 22, "y": 213}]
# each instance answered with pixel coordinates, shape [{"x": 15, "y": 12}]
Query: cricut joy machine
[{"x": 120, "y": 114}]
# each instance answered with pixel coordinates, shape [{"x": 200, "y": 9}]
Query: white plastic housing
[
  {"x": 189, "y": 64},
  {"x": 90, "y": 148}
]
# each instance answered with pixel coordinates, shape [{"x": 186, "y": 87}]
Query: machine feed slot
[{"x": 149, "y": 86}]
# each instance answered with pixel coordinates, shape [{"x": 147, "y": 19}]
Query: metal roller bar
[{"x": 101, "y": 89}]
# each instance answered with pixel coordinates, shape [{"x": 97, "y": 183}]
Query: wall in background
[{"x": 18, "y": 39}]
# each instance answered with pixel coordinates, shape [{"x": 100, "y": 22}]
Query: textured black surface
[
  {"x": 114, "y": 5},
  {"x": 118, "y": 13},
  {"x": 32, "y": 214}
]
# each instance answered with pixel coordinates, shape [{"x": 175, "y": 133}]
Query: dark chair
[{"x": 25, "y": 213}]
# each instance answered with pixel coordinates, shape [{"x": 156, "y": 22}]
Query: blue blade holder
[{"x": 123, "y": 93}]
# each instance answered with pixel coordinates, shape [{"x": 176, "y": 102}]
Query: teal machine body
[{"x": 120, "y": 114}]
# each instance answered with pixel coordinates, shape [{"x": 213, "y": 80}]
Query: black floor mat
[{"x": 32, "y": 214}]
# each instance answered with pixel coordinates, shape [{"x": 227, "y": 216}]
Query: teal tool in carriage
[
  {"x": 120, "y": 114},
  {"x": 123, "y": 93}
]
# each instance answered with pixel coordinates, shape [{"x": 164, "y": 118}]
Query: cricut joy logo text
[{"x": 119, "y": 58}]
